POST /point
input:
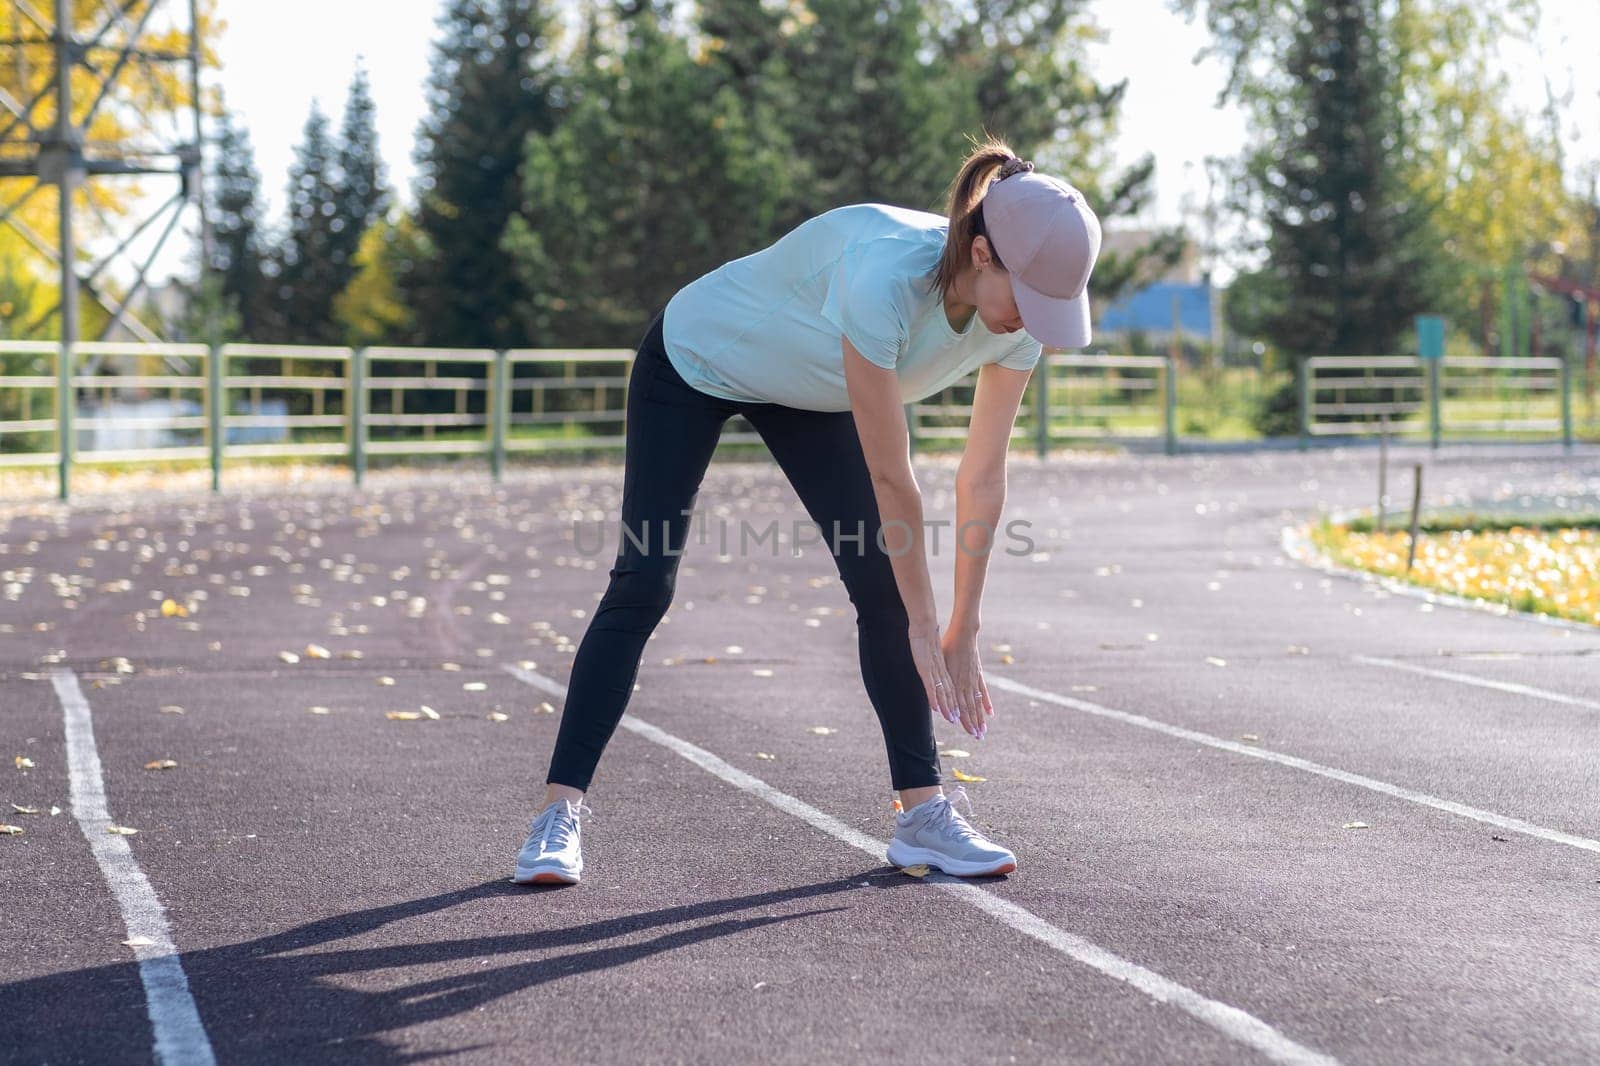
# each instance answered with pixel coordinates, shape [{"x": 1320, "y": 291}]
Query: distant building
[
  {"x": 1182, "y": 297},
  {"x": 161, "y": 305}
]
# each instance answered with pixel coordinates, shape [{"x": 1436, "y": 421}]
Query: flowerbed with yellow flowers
[{"x": 1544, "y": 564}]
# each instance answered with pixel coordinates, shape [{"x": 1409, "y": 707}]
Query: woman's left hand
[{"x": 966, "y": 673}]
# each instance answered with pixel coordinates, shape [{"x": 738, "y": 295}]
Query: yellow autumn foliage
[{"x": 1549, "y": 571}]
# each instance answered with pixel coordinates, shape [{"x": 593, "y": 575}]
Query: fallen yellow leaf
[
  {"x": 317, "y": 651},
  {"x": 496, "y": 716},
  {"x": 544, "y": 708},
  {"x": 475, "y": 686},
  {"x": 385, "y": 680},
  {"x": 11, "y": 830},
  {"x": 288, "y": 656},
  {"x": 959, "y": 776},
  {"x": 956, "y": 753},
  {"x": 919, "y": 870},
  {"x": 765, "y": 755},
  {"x": 429, "y": 712},
  {"x": 24, "y": 810},
  {"x": 821, "y": 730},
  {"x": 161, "y": 764},
  {"x": 319, "y": 710},
  {"x": 402, "y": 716},
  {"x": 23, "y": 762},
  {"x": 1357, "y": 825},
  {"x": 121, "y": 830}
]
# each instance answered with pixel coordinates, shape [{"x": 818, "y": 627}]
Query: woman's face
[{"x": 997, "y": 306}]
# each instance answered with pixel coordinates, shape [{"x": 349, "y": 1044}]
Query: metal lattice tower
[
  {"x": 108, "y": 89},
  {"x": 59, "y": 136}
]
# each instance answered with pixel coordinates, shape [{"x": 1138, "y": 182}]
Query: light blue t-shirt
[{"x": 766, "y": 327}]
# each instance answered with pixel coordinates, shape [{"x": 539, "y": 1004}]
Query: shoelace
[
  {"x": 947, "y": 821},
  {"x": 562, "y": 824}
]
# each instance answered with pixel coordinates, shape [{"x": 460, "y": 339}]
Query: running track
[{"x": 1191, "y": 720}]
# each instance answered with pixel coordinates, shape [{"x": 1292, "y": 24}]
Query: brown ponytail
[{"x": 963, "y": 205}]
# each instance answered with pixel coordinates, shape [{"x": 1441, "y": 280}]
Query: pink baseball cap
[{"x": 1048, "y": 239}]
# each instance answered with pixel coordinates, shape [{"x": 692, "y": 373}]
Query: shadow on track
[{"x": 266, "y": 1000}]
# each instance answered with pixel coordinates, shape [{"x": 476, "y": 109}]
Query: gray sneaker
[
  {"x": 934, "y": 832},
  {"x": 553, "y": 851}
]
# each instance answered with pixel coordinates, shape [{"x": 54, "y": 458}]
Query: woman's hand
[
  {"x": 928, "y": 653},
  {"x": 972, "y": 695}
]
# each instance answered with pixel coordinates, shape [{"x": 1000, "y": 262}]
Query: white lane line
[
  {"x": 1482, "y": 682},
  {"x": 180, "y": 1038},
  {"x": 1516, "y": 825},
  {"x": 1229, "y": 1021}
]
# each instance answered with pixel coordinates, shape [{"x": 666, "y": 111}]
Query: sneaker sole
[
  {"x": 908, "y": 856},
  {"x": 544, "y": 877}
]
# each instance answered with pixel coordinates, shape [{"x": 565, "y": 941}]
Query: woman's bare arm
[
  {"x": 881, "y": 424},
  {"x": 981, "y": 486}
]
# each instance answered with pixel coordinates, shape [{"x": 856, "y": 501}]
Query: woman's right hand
[{"x": 928, "y": 653}]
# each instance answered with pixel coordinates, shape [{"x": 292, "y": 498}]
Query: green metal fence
[
  {"x": 245, "y": 402},
  {"x": 1439, "y": 398}
]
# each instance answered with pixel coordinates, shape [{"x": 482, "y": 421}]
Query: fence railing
[
  {"x": 1357, "y": 395},
  {"x": 134, "y": 403}
]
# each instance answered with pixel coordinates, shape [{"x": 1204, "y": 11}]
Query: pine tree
[
  {"x": 1352, "y": 246},
  {"x": 487, "y": 93},
  {"x": 309, "y": 273},
  {"x": 362, "y": 190},
  {"x": 235, "y": 217}
]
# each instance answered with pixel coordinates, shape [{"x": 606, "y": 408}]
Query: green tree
[
  {"x": 715, "y": 142},
  {"x": 308, "y": 271},
  {"x": 655, "y": 173},
  {"x": 1498, "y": 172},
  {"x": 363, "y": 192},
  {"x": 1353, "y": 250},
  {"x": 371, "y": 309},
  {"x": 488, "y": 90},
  {"x": 236, "y": 238},
  {"x": 878, "y": 101}
]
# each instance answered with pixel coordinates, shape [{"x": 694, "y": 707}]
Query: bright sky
[{"x": 275, "y": 64}]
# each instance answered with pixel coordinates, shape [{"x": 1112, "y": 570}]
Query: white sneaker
[
  {"x": 553, "y": 851},
  {"x": 934, "y": 832}
]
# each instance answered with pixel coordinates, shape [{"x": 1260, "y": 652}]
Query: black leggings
[{"x": 672, "y": 430}]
